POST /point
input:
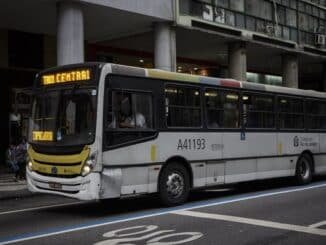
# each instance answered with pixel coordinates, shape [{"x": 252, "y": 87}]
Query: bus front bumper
[{"x": 82, "y": 188}]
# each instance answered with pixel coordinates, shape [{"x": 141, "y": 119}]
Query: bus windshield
[{"x": 63, "y": 117}]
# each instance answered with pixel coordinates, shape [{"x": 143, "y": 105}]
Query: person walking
[
  {"x": 21, "y": 155},
  {"x": 11, "y": 160}
]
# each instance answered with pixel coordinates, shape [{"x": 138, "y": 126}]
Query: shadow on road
[{"x": 150, "y": 203}]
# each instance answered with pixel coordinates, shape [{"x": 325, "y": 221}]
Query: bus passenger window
[
  {"x": 231, "y": 110},
  {"x": 291, "y": 113},
  {"x": 258, "y": 111},
  {"x": 222, "y": 109},
  {"x": 129, "y": 117},
  {"x": 316, "y": 114},
  {"x": 182, "y": 106},
  {"x": 131, "y": 110}
]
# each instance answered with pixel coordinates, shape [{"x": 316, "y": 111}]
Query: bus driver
[{"x": 128, "y": 119}]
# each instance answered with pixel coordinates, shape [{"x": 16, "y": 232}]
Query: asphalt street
[{"x": 265, "y": 212}]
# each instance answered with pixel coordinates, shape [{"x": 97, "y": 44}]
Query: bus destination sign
[
  {"x": 66, "y": 76},
  {"x": 42, "y": 135}
]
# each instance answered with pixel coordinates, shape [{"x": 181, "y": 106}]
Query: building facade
[{"x": 279, "y": 42}]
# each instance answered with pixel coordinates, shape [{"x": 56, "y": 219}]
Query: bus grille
[
  {"x": 58, "y": 175},
  {"x": 58, "y": 164}
]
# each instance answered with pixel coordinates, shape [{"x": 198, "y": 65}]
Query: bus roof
[{"x": 224, "y": 82}]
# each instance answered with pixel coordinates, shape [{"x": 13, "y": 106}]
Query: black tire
[
  {"x": 303, "y": 172},
  {"x": 174, "y": 184}
]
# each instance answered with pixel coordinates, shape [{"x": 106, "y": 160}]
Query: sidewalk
[{"x": 9, "y": 188}]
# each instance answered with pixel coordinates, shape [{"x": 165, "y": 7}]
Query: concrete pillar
[
  {"x": 164, "y": 47},
  {"x": 70, "y": 33},
  {"x": 324, "y": 77},
  {"x": 238, "y": 61},
  {"x": 49, "y": 52},
  {"x": 290, "y": 67},
  {"x": 4, "y": 48}
]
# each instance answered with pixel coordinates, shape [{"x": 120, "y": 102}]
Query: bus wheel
[
  {"x": 303, "y": 172},
  {"x": 174, "y": 184}
]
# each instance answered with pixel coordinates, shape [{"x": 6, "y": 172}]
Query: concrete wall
[
  {"x": 3, "y": 48},
  {"x": 162, "y": 9}
]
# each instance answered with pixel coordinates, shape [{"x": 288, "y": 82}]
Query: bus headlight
[
  {"x": 86, "y": 170},
  {"x": 89, "y": 164},
  {"x": 30, "y": 165}
]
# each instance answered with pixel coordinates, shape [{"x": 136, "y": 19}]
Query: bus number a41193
[{"x": 191, "y": 144}]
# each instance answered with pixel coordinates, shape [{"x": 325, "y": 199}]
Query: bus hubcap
[
  {"x": 304, "y": 169},
  {"x": 175, "y": 185}
]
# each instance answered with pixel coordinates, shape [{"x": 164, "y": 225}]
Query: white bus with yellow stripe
[{"x": 103, "y": 131}]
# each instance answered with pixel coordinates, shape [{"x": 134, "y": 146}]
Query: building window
[
  {"x": 286, "y": 33},
  {"x": 281, "y": 15},
  {"x": 221, "y": 3},
  {"x": 304, "y": 22},
  {"x": 280, "y": 18},
  {"x": 229, "y": 18},
  {"x": 293, "y": 4},
  {"x": 291, "y": 17},
  {"x": 258, "y": 8},
  {"x": 237, "y": 5},
  {"x": 251, "y": 23},
  {"x": 240, "y": 20},
  {"x": 182, "y": 106}
]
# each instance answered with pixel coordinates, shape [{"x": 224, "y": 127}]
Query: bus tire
[
  {"x": 174, "y": 184},
  {"x": 303, "y": 172}
]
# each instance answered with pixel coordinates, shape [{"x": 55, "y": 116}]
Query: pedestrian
[
  {"x": 11, "y": 160},
  {"x": 21, "y": 155}
]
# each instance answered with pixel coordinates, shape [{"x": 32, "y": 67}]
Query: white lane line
[
  {"x": 322, "y": 223},
  {"x": 40, "y": 208},
  {"x": 256, "y": 222}
]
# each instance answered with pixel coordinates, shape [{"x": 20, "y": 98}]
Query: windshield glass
[{"x": 64, "y": 117}]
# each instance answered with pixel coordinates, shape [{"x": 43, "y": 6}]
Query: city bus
[{"x": 101, "y": 131}]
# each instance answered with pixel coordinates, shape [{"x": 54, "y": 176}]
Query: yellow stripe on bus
[
  {"x": 153, "y": 153},
  {"x": 172, "y": 76}
]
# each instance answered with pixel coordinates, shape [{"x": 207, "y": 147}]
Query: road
[{"x": 270, "y": 212}]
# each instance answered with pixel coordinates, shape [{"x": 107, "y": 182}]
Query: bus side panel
[
  {"x": 215, "y": 173},
  {"x": 296, "y": 143},
  {"x": 240, "y": 170},
  {"x": 251, "y": 145},
  {"x": 111, "y": 180},
  {"x": 199, "y": 173},
  {"x": 320, "y": 160},
  {"x": 194, "y": 147},
  {"x": 134, "y": 180},
  {"x": 275, "y": 167}
]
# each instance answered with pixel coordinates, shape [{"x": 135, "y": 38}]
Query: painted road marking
[
  {"x": 40, "y": 208},
  {"x": 151, "y": 213},
  {"x": 322, "y": 223},
  {"x": 256, "y": 222},
  {"x": 114, "y": 238}
]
